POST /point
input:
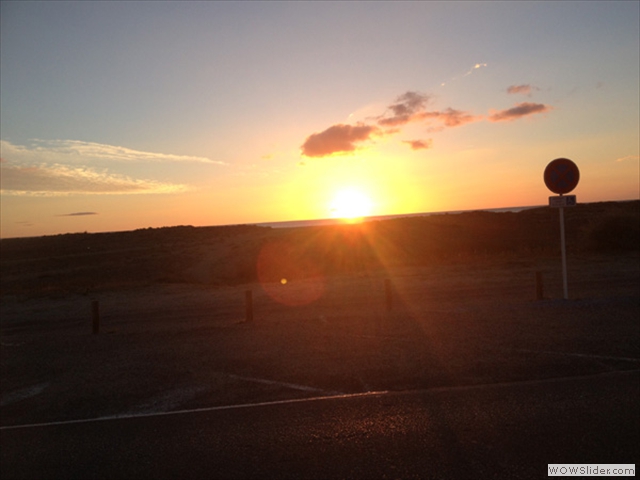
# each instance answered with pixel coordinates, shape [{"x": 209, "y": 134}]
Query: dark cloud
[
  {"x": 337, "y": 139},
  {"x": 77, "y": 214},
  {"x": 453, "y": 118},
  {"x": 519, "y": 111},
  {"x": 409, "y": 107},
  {"x": 418, "y": 144}
]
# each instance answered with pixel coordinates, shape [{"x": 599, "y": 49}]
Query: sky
[{"x": 124, "y": 115}]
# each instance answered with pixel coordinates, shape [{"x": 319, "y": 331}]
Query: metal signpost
[{"x": 561, "y": 176}]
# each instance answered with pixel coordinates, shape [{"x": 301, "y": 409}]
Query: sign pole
[
  {"x": 565, "y": 288},
  {"x": 561, "y": 176}
]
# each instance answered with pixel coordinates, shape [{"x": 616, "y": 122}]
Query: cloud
[
  {"x": 337, "y": 139},
  {"x": 418, "y": 144},
  {"x": 74, "y": 151},
  {"x": 519, "y": 111},
  {"x": 477, "y": 66},
  {"x": 409, "y": 106},
  {"x": 521, "y": 89},
  {"x": 77, "y": 214},
  {"x": 452, "y": 118},
  {"x": 56, "y": 179},
  {"x": 474, "y": 68},
  {"x": 628, "y": 158}
]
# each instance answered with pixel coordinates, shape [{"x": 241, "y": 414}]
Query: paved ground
[
  {"x": 490, "y": 432},
  {"x": 486, "y": 382}
]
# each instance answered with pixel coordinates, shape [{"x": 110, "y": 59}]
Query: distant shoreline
[
  {"x": 372, "y": 218},
  {"x": 321, "y": 222}
]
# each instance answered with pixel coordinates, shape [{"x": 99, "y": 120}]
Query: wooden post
[
  {"x": 95, "y": 310},
  {"x": 539, "y": 286},
  {"x": 388, "y": 294},
  {"x": 249, "y": 305}
]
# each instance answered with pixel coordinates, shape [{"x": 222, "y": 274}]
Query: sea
[{"x": 336, "y": 221}]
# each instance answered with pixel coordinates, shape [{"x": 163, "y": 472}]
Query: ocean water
[{"x": 335, "y": 221}]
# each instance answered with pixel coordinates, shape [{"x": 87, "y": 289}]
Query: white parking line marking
[
  {"x": 23, "y": 394},
  {"x": 293, "y": 386},
  {"x": 312, "y": 399},
  {"x": 195, "y": 410}
]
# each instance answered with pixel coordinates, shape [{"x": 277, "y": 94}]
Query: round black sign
[{"x": 561, "y": 176}]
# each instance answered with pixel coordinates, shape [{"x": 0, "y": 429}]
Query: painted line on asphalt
[
  {"x": 23, "y": 393},
  {"x": 195, "y": 410},
  {"x": 293, "y": 386},
  {"x": 313, "y": 399}
]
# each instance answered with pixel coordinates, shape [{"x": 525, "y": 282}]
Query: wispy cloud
[
  {"x": 520, "y": 110},
  {"x": 56, "y": 179},
  {"x": 452, "y": 118},
  {"x": 337, "y": 139},
  {"x": 77, "y": 214},
  {"x": 419, "y": 144},
  {"x": 75, "y": 151},
  {"x": 521, "y": 89},
  {"x": 628, "y": 158},
  {"x": 474, "y": 68}
]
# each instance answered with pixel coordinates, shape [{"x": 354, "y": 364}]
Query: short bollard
[
  {"x": 249, "y": 305},
  {"x": 388, "y": 294},
  {"x": 539, "y": 286},
  {"x": 95, "y": 310}
]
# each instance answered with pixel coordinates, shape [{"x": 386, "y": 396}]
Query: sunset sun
[{"x": 350, "y": 204}]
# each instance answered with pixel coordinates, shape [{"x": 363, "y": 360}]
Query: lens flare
[{"x": 287, "y": 275}]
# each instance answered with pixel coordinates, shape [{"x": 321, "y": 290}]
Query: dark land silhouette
[{"x": 229, "y": 255}]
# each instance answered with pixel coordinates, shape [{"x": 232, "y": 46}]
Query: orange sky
[{"x": 211, "y": 113}]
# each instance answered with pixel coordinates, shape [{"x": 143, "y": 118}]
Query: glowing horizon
[{"x": 213, "y": 126}]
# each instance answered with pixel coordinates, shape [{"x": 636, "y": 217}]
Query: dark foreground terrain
[
  {"x": 335, "y": 312},
  {"x": 233, "y": 255}
]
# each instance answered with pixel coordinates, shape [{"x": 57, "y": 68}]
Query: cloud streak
[
  {"x": 477, "y": 66},
  {"x": 474, "y": 68},
  {"x": 74, "y": 151},
  {"x": 77, "y": 214},
  {"x": 520, "y": 110},
  {"x": 452, "y": 118},
  {"x": 628, "y": 158},
  {"x": 56, "y": 180},
  {"x": 521, "y": 89}
]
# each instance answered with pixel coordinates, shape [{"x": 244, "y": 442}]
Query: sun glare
[{"x": 351, "y": 204}]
